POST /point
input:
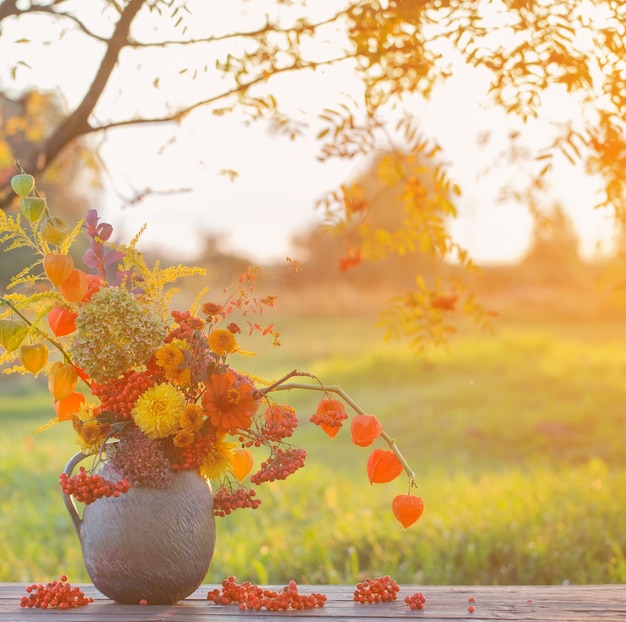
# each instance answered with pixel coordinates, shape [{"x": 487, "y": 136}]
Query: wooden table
[{"x": 586, "y": 603}]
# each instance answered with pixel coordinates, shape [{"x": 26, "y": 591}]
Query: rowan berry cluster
[
  {"x": 87, "y": 488},
  {"x": 280, "y": 422},
  {"x": 281, "y": 464},
  {"x": 119, "y": 396},
  {"x": 249, "y": 596},
  {"x": 56, "y": 594},
  {"x": 331, "y": 413},
  {"x": 415, "y": 601},
  {"x": 187, "y": 325},
  {"x": 226, "y": 499},
  {"x": 193, "y": 455},
  {"x": 378, "y": 590}
]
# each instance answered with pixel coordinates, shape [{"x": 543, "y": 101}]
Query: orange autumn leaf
[
  {"x": 407, "y": 509},
  {"x": 62, "y": 321},
  {"x": 445, "y": 303},
  {"x": 365, "y": 430},
  {"x": 62, "y": 380},
  {"x": 75, "y": 286},
  {"x": 68, "y": 406},
  {"x": 241, "y": 463},
  {"x": 383, "y": 466}
]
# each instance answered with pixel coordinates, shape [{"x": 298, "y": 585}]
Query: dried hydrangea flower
[{"x": 115, "y": 333}]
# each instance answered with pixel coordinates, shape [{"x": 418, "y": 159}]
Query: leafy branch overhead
[{"x": 399, "y": 52}]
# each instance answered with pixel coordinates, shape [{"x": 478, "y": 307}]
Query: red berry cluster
[
  {"x": 191, "y": 457},
  {"x": 280, "y": 422},
  {"x": 331, "y": 413},
  {"x": 378, "y": 590},
  {"x": 281, "y": 464},
  {"x": 87, "y": 488},
  {"x": 226, "y": 499},
  {"x": 119, "y": 396},
  {"x": 249, "y": 596},
  {"x": 415, "y": 601},
  {"x": 59, "y": 594}
]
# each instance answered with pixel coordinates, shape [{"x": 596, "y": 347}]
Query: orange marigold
[
  {"x": 229, "y": 402},
  {"x": 183, "y": 438},
  {"x": 222, "y": 341},
  {"x": 192, "y": 417}
]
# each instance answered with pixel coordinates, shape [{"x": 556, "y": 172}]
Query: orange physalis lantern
[
  {"x": 75, "y": 286},
  {"x": 58, "y": 267},
  {"x": 12, "y": 334},
  {"x": 241, "y": 463},
  {"x": 62, "y": 321},
  {"x": 62, "y": 380},
  {"x": 365, "y": 430},
  {"x": 94, "y": 283},
  {"x": 34, "y": 357},
  {"x": 68, "y": 406},
  {"x": 407, "y": 509},
  {"x": 383, "y": 466}
]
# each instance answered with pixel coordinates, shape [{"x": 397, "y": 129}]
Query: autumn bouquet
[{"x": 152, "y": 391}]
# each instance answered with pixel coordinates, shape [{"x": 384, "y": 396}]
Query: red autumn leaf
[
  {"x": 365, "y": 430},
  {"x": 383, "y": 466},
  {"x": 445, "y": 303},
  {"x": 407, "y": 509},
  {"x": 62, "y": 321}
]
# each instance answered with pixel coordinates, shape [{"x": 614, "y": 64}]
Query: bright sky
[{"x": 280, "y": 180}]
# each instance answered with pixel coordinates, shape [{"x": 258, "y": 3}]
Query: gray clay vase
[{"x": 149, "y": 543}]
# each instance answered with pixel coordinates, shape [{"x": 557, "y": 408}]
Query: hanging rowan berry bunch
[
  {"x": 378, "y": 590},
  {"x": 54, "y": 595},
  {"x": 88, "y": 488},
  {"x": 281, "y": 464},
  {"x": 249, "y": 596},
  {"x": 225, "y": 500}
]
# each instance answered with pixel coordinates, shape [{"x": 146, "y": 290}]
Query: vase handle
[{"x": 70, "y": 504}]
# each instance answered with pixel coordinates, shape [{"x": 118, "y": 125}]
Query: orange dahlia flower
[{"x": 229, "y": 402}]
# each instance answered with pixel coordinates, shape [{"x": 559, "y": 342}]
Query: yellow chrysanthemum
[
  {"x": 171, "y": 359},
  {"x": 91, "y": 436},
  {"x": 217, "y": 461},
  {"x": 183, "y": 438},
  {"x": 222, "y": 342},
  {"x": 157, "y": 411},
  {"x": 90, "y": 433},
  {"x": 192, "y": 418}
]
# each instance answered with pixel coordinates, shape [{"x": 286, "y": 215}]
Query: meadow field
[{"x": 516, "y": 438}]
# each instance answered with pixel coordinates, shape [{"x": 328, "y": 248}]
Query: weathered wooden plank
[{"x": 443, "y": 603}]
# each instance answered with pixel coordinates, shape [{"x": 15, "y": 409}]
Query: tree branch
[{"x": 77, "y": 123}]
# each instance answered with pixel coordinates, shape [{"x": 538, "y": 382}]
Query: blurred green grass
[{"x": 516, "y": 440}]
